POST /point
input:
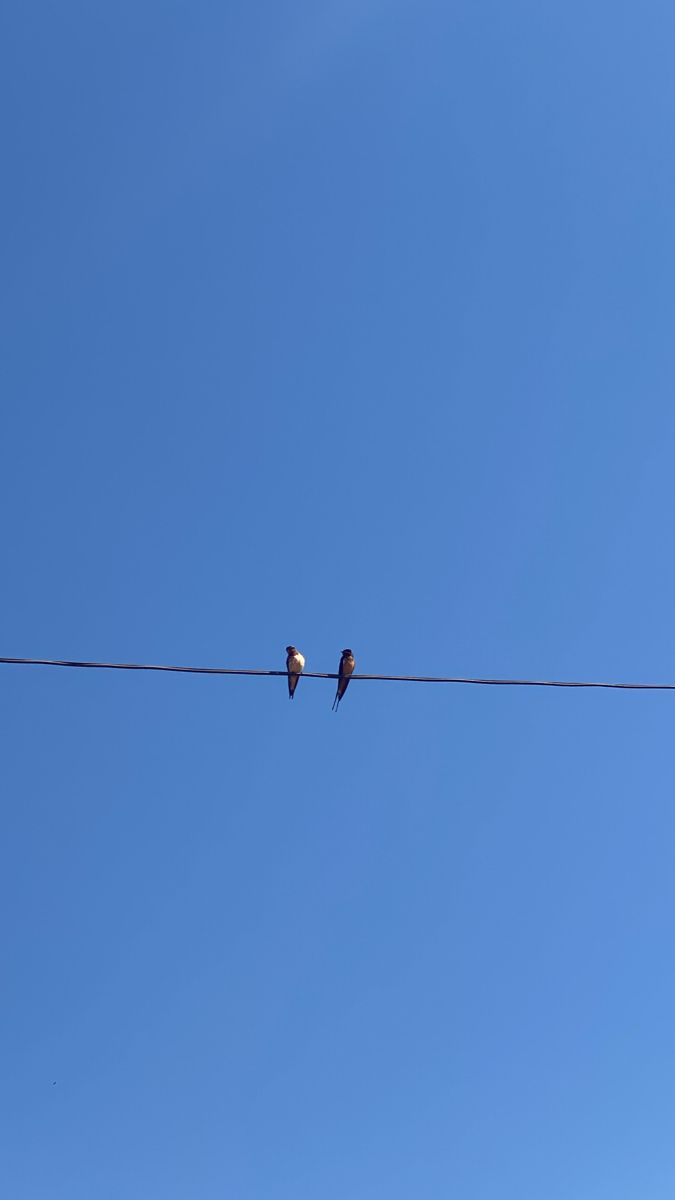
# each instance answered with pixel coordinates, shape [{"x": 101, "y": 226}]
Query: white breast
[{"x": 296, "y": 663}]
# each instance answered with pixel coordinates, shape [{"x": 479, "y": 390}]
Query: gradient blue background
[{"x": 339, "y": 324}]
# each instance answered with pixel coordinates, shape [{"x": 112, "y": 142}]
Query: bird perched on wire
[
  {"x": 345, "y": 671},
  {"x": 295, "y": 664}
]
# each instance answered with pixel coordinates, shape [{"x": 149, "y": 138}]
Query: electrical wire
[{"x": 117, "y": 666}]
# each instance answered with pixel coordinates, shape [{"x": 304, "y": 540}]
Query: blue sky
[{"x": 337, "y": 324}]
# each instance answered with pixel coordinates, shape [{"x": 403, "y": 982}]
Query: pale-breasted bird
[
  {"x": 294, "y": 665},
  {"x": 345, "y": 671}
]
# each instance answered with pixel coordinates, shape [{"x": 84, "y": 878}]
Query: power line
[{"x": 560, "y": 683}]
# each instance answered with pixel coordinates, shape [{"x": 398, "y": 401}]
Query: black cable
[{"x": 562, "y": 683}]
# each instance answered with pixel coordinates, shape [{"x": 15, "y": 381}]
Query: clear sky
[{"x": 341, "y": 324}]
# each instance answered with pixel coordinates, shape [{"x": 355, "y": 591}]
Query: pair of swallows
[{"x": 295, "y": 665}]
